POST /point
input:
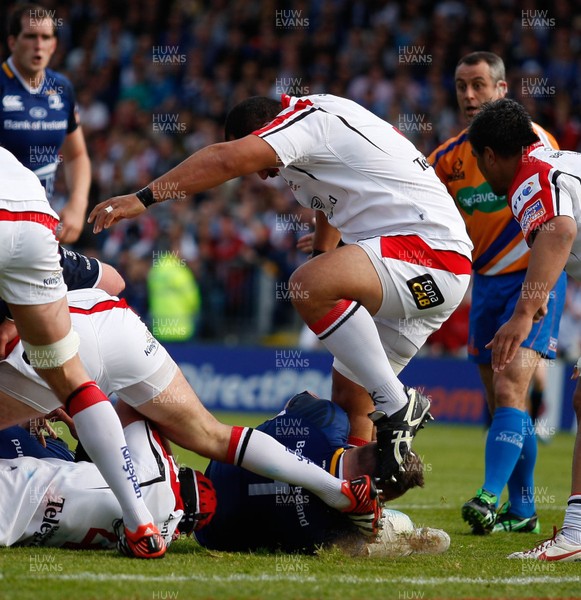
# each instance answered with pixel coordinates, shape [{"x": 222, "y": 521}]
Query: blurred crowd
[{"x": 154, "y": 81}]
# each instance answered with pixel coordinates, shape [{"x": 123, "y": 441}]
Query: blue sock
[
  {"x": 521, "y": 485},
  {"x": 503, "y": 448}
]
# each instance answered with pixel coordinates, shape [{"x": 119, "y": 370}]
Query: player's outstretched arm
[
  {"x": 549, "y": 254},
  {"x": 205, "y": 169},
  {"x": 77, "y": 167}
]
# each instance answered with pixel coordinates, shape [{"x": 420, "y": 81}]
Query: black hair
[
  {"x": 494, "y": 62},
  {"x": 34, "y": 12},
  {"x": 504, "y": 126},
  {"x": 249, "y": 115}
]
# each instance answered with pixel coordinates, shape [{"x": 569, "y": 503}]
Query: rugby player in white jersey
[
  {"x": 32, "y": 285},
  {"x": 406, "y": 258},
  {"x": 543, "y": 188},
  {"x": 122, "y": 355},
  {"x": 68, "y": 504}
]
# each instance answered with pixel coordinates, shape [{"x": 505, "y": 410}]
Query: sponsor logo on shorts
[
  {"x": 54, "y": 280},
  {"x": 425, "y": 292}
]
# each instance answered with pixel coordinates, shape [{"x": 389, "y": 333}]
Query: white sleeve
[{"x": 296, "y": 135}]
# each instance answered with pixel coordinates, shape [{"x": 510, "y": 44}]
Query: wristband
[{"x": 145, "y": 196}]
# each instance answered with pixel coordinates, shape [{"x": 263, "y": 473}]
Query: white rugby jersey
[
  {"x": 547, "y": 184},
  {"x": 53, "y": 502},
  {"x": 366, "y": 177},
  {"x": 21, "y": 189}
]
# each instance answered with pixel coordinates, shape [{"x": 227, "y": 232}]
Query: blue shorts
[{"x": 493, "y": 301}]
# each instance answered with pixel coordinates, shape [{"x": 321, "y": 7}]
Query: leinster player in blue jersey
[
  {"x": 38, "y": 120},
  {"x": 291, "y": 518}
]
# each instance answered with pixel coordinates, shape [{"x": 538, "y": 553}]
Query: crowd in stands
[{"x": 154, "y": 80}]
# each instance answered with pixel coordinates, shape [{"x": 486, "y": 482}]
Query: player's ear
[
  {"x": 11, "y": 41},
  {"x": 502, "y": 88},
  {"x": 489, "y": 156}
]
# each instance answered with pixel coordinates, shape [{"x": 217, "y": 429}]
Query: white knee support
[{"x": 54, "y": 355}]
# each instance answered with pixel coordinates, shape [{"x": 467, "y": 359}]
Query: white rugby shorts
[
  {"x": 117, "y": 350},
  {"x": 421, "y": 289},
  {"x": 30, "y": 271}
]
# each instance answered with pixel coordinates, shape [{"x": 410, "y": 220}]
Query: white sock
[
  {"x": 263, "y": 455},
  {"x": 102, "y": 436},
  {"x": 349, "y": 333},
  {"x": 572, "y": 521}
]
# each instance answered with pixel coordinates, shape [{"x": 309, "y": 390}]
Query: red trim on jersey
[
  {"x": 299, "y": 105},
  {"x": 100, "y": 307},
  {"x": 412, "y": 249},
  {"x": 233, "y": 444},
  {"x": 11, "y": 345},
  {"x": 174, "y": 482},
  {"x": 356, "y": 441},
  {"x": 34, "y": 217},
  {"x": 527, "y": 169},
  {"x": 85, "y": 396},
  {"x": 331, "y": 317}
]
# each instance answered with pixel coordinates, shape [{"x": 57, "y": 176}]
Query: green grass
[{"x": 474, "y": 567}]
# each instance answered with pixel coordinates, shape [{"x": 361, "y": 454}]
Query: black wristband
[
  {"x": 316, "y": 252},
  {"x": 145, "y": 196}
]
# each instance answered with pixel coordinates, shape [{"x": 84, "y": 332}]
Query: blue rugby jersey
[
  {"x": 35, "y": 122},
  {"x": 254, "y": 512}
]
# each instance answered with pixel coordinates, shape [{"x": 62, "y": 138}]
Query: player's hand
[
  {"x": 305, "y": 244},
  {"x": 113, "y": 210},
  {"x": 60, "y": 414},
  {"x": 71, "y": 224},
  {"x": 7, "y": 334},
  {"x": 508, "y": 339},
  {"x": 542, "y": 312},
  {"x": 37, "y": 428}
]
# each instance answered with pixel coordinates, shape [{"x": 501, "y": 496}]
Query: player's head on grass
[
  {"x": 499, "y": 135},
  {"x": 249, "y": 115},
  {"x": 364, "y": 460}
]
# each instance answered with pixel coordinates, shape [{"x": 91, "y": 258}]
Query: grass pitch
[{"x": 474, "y": 567}]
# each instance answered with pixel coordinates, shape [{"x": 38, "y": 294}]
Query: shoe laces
[{"x": 543, "y": 544}]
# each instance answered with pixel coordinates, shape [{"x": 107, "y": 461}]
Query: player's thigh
[
  {"x": 511, "y": 385},
  {"x": 42, "y": 324},
  {"x": 345, "y": 272},
  {"x": 413, "y": 293},
  {"x": 22, "y": 398},
  {"x": 182, "y": 418}
]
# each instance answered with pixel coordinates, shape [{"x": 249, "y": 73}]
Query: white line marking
[{"x": 298, "y": 578}]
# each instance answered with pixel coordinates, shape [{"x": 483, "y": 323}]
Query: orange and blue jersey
[{"x": 499, "y": 246}]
